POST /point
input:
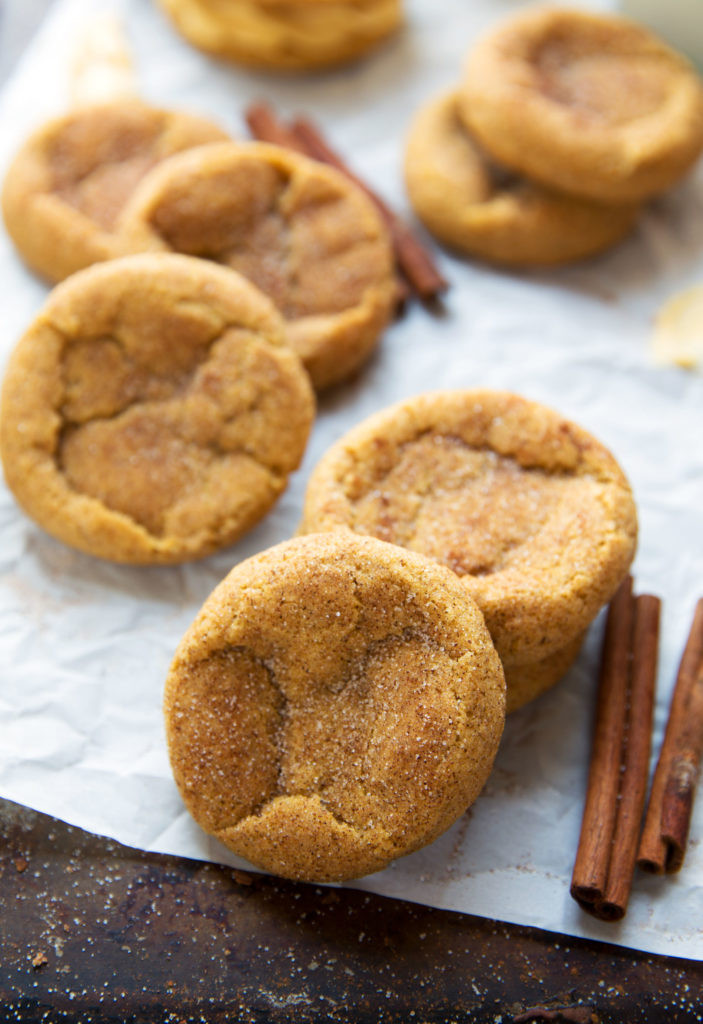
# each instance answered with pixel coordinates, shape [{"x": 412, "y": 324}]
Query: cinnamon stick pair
[
  {"x": 608, "y": 847},
  {"x": 419, "y": 274},
  {"x": 617, "y": 782}
]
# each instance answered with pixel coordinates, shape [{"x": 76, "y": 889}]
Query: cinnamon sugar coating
[
  {"x": 530, "y": 511},
  {"x": 290, "y": 35},
  {"x": 152, "y": 412},
  {"x": 336, "y": 704},
  {"x": 303, "y": 233},
  {"x": 592, "y": 104},
  {"x": 481, "y": 209},
  {"x": 67, "y": 185}
]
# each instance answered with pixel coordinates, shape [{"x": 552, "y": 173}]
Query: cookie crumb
[{"x": 242, "y": 878}]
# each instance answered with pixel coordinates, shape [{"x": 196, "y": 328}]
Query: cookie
[
  {"x": 478, "y": 208},
  {"x": 336, "y": 704},
  {"x": 152, "y": 412},
  {"x": 527, "y": 679},
  {"x": 300, "y": 231},
  {"x": 287, "y": 35},
  {"x": 532, "y": 513},
  {"x": 68, "y": 183},
  {"x": 590, "y": 104}
]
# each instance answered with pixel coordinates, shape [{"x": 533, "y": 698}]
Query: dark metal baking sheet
[{"x": 94, "y": 932}]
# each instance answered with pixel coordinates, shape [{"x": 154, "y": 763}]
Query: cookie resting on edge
[{"x": 336, "y": 704}]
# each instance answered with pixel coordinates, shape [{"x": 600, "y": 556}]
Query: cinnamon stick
[
  {"x": 590, "y": 872},
  {"x": 265, "y": 126},
  {"x": 414, "y": 260},
  {"x": 663, "y": 843},
  {"x": 633, "y": 786}
]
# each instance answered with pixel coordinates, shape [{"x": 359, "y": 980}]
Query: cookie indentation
[
  {"x": 479, "y": 207},
  {"x": 611, "y": 88}
]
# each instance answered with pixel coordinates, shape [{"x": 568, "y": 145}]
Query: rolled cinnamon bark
[{"x": 663, "y": 844}]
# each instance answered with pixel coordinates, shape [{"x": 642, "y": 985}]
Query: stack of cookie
[
  {"x": 286, "y": 35},
  {"x": 530, "y": 511},
  {"x": 563, "y": 125}
]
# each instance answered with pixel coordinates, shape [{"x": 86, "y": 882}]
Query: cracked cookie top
[
  {"x": 337, "y": 703},
  {"x": 152, "y": 412},
  {"x": 530, "y": 511},
  {"x": 67, "y": 185},
  {"x": 304, "y": 234}
]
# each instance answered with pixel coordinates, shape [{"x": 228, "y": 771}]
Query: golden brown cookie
[
  {"x": 288, "y": 35},
  {"x": 480, "y": 209},
  {"x": 153, "y": 412},
  {"x": 336, "y": 704},
  {"x": 532, "y": 513},
  {"x": 527, "y": 679},
  {"x": 300, "y": 231},
  {"x": 68, "y": 183},
  {"x": 591, "y": 104}
]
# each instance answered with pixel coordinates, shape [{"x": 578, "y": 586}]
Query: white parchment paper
[{"x": 85, "y": 645}]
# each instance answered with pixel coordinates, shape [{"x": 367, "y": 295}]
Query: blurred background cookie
[
  {"x": 288, "y": 35},
  {"x": 590, "y": 104},
  {"x": 477, "y": 207},
  {"x": 66, "y": 187},
  {"x": 336, "y": 704},
  {"x": 532, "y": 513},
  {"x": 152, "y": 412},
  {"x": 300, "y": 231}
]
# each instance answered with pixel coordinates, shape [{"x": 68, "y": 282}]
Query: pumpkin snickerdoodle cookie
[
  {"x": 303, "y": 233},
  {"x": 153, "y": 412},
  {"x": 479, "y": 208},
  {"x": 67, "y": 185},
  {"x": 336, "y": 704},
  {"x": 591, "y": 104},
  {"x": 532, "y": 513},
  {"x": 286, "y": 35}
]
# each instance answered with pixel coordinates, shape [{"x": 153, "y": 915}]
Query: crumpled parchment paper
[{"x": 85, "y": 645}]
